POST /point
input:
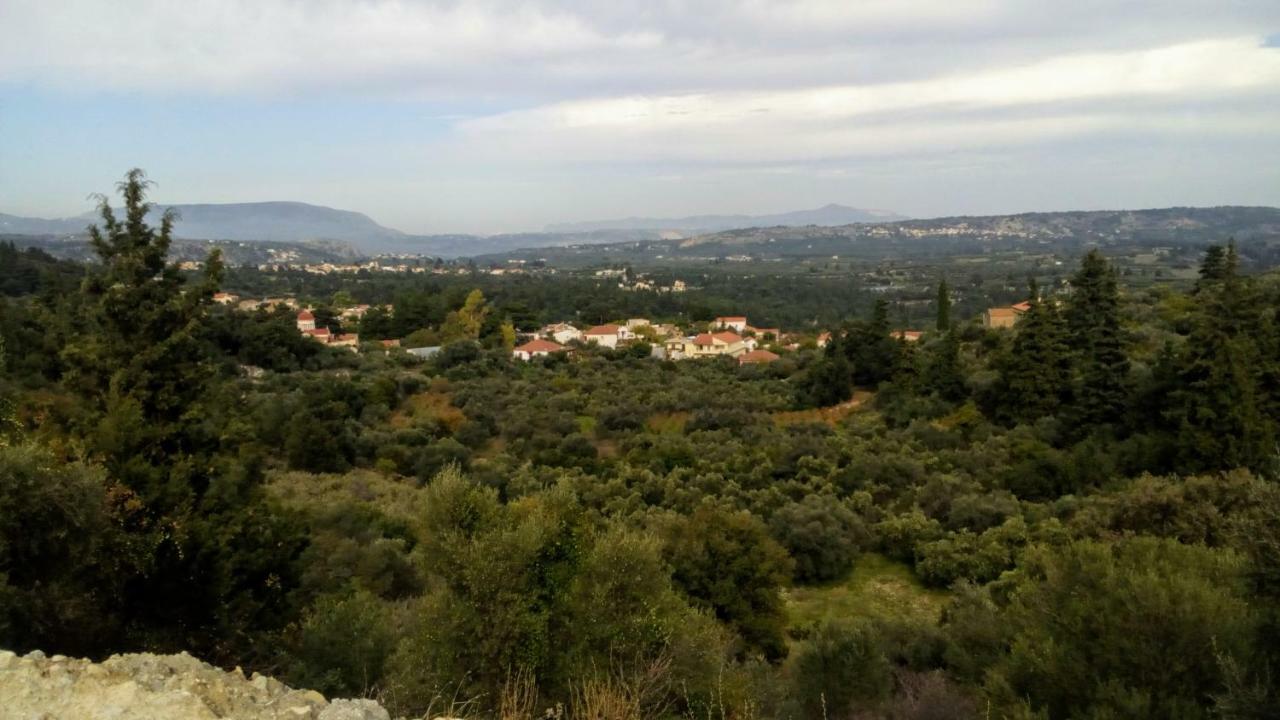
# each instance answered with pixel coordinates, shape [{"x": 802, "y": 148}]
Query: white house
[
  {"x": 607, "y": 335},
  {"x": 561, "y": 332},
  {"x": 306, "y": 321},
  {"x": 736, "y": 323}
]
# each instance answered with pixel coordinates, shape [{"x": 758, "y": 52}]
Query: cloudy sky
[{"x": 496, "y": 115}]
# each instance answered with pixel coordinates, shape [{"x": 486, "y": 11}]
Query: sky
[{"x": 503, "y": 115}]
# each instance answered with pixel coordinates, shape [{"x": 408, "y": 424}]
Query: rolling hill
[{"x": 826, "y": 215}]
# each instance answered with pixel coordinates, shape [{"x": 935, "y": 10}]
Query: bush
[
  {"x": 343, "y": 646},
  {"x": 822, "y": 535},
  {"x": 1136, "y": 628},
  {"x": 839, "y": 668}
]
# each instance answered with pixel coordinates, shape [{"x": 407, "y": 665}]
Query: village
[{"x": 729, "y": 336}]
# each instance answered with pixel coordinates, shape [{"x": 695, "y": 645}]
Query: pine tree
[
  {"x": 1035, "y": 371},
  {"x": 220, "y": 559},
  {"x": 136, "y": 354},
  {"x": 1221, "y": 404},
  {"x": 1215, "y": 266},
  {"x": 943, "y": 375},
  {"x": 943, "y": 321},
  {"x": 871, "y": 350},
  {"x": 1093, "y": 327}
]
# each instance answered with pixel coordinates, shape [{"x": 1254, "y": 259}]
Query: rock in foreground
[{"x": 145, "y": 686}]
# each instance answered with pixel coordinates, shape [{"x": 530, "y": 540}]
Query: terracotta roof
[
  {"x": 604, "y": 330},
  {"x": 757, "y": 356},
  {"x": 539, "y": 345},
  {"x": 910, "y": 335},
  {"x": 732, "y": 318},
  {"x": 318, "y": 332},
  {"x": 1002, "y": 312},
  {"x": 306, "y": 315},
  {"x": 703, "y": 339},
  {"x": 727, "y": 337},
  {"x": 1021, "y": 307}
]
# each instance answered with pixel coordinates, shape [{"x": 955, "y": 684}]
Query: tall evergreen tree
[
  {"x": 220, "y": 560},
  {"x": 1220, "y": 405},
  {"x": 1035, "y": 371},
  {"x": 1093, "y": 327},
  {"x": 943, "y": 375},
  {"x": 870, "y": 348},
  {"x": 943, "y": 320}
]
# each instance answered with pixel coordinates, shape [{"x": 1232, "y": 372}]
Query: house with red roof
[
  {"x": 757, "y": 357},
  {"x": 536, "y": 348},
  {"x": 346, "y": 340},
  {"x": 607, "y": 335},
  {"x": 708, "y": 345},
  {"x": 321, "y": 334},
  {"x": 908, "y": 335},
  {"x": 306, "y": 321}
]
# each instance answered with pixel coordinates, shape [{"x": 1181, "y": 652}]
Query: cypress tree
[
  {"x": 943, "y": 321},
  {"x": 943, "y": 375}
]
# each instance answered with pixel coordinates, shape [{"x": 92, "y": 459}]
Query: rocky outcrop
[{"x": 147, "y": 687}]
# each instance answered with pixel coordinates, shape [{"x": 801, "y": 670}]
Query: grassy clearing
[
  {"x": 877, "y": 588},
  {"x": 398, "y": 498},
  {"x": 431, "y": 405},
  {"x": 829, "y": 415},
  {"x": 672, "y": 423}
]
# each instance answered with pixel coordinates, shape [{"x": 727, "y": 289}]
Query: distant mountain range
[
  {"x": 827, "y": 215},
  {"x": 1255, "y": 227},
  {"x": 265, "y": 221},
  {"x": 296, "y": 222},
  {"x": 331, "y": 232}
]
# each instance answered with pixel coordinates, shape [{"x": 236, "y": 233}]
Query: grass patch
[
  {"x": 830, "y": 415},
  {"x": 672, "y": 423},
  {"x": 877, "y": 588},
  {"x": 428, "y": 406}
]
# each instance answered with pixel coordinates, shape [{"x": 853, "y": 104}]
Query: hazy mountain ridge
[
  {"x": 827, "y": 215},
  {"x": 276, "y": 221},
  {"x": 960, "y": 234},
  {"x": 1082, "y": 224}
]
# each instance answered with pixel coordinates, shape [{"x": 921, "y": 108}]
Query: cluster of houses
[
  {"x": 726, "y": 337},
  {"x": 307, "y": 326},
  {"x": 306, "y": 320}
]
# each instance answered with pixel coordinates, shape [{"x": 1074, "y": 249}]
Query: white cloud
[{"x": 948, "y": 111}]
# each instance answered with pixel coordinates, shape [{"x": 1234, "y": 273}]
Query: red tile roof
[
  {"x": 757, "y": 356},
  {"x": 604, "y": 330},
  {"x": 539, "y": 345},
  {"x": 708, "y": 339},
  {"x": 318, "y": 332},
  {"x": 1021, "y": 307},
  {"x": 306, "y": 315},
  {"x": 731, "y": 318}
]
